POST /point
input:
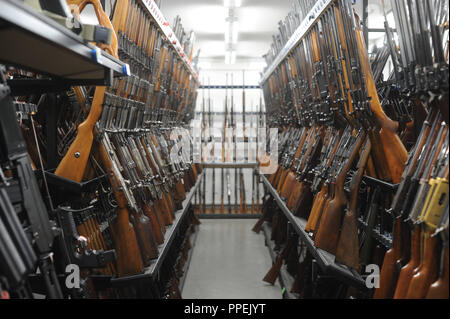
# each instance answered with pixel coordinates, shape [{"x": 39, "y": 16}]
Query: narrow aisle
[{"x": 229, "y": 261}]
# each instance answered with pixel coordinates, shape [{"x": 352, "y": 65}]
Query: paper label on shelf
[
  {"x": 97, "y": 55},
  {"x": 126, "y": 69}
]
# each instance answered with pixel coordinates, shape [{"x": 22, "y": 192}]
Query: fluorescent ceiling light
[
  {"x": 227, "y": 34},
  {"x": 234, "y": 32},
  {"x": 230, "y": 57},
  {"x": 232, "y": 3},
  {"x": 231, "y": 32}
]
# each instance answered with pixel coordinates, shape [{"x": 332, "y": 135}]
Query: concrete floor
[{"x": 229, "y": 262}]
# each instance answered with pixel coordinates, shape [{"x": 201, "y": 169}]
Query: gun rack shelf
[
  {"x": 324, "y": 259},
  {"x": 36, "y": 43},
  {"x": 285, "y": 278},
  {"x": 152, "y": 271},
  {"x": 165, "y": 28},
  {"x": 295, "y": 38}
]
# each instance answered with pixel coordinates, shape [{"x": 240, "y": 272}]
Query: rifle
[
  {"x": 274, "y": 271},
  {"x": 302, "y": 192},
  {"x": 129, "y": 259},
  {"x": 407, "y": 188},
  {"x": 427, "y": 271},
  {"x": 15, "y": 153},
  {"x": 73, "y": 165},
  {"x": 311, "y": 176},
  {"x": 233, "y": 124},
  {"x": 322, "y": 198},
  {"x": 439, "y": 289},
  {"x": 142, "y": 222},
  {"x": 347, "y": 251},
  {"x": 328, "y": 229}
]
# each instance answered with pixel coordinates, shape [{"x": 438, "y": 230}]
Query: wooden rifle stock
[
  {"x": 395, "y": 151},
  {"x": 304, "y": 202},
  {"x": 266, "y": 214},
  {"x": 274, "y": 271},
  {"x": 408, "y": 270},
  {"x": 73, "y": 165},
  {"x": 302, "y": 193},
  {"x": 316, "y": 208},
  {"x": 328, "y": 231},
  {"x": 389, "y": 270},
  {"x": 129, "y": 259},
  {"x": 321, "y": 197},
  {"x": 439, "y": 289},
  {"x": 347, "y": 251},
  {"x": 427, "y": 274}
]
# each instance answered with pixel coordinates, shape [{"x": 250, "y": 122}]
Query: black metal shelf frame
[
  {"x": 325, "y": 260},
  {"x": 35, "y": 42},
  {"x": 284, "y": 277},
  {"x": 152, "y": 271},
  {"x": 192, "y": 238}
]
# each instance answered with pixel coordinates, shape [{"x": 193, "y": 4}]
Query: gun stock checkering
[{"x": 130, "y": 169}]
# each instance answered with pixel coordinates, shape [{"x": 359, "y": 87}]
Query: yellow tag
[
  {"x": 437, "y": 203},
  {"x": 432, "y": 182}
]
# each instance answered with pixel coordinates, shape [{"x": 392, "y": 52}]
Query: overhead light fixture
[
  {"x": 232, "y": 3},
  {"x": 231, "y": 30},
  {"x": 231, "y": 33},
  {"x": 234, "y": 32},
  {"x": 230, "y": 57}
]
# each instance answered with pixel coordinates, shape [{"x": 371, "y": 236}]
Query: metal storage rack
[
  {"x": 325, "y": 260},
  {"x": 36, "y": 43},
  {"x": 152, "y": 271}
]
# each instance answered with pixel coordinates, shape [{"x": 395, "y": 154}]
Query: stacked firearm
[
  {"x": 345, "y": 133},
  {"x": 118, "y": 176}
]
